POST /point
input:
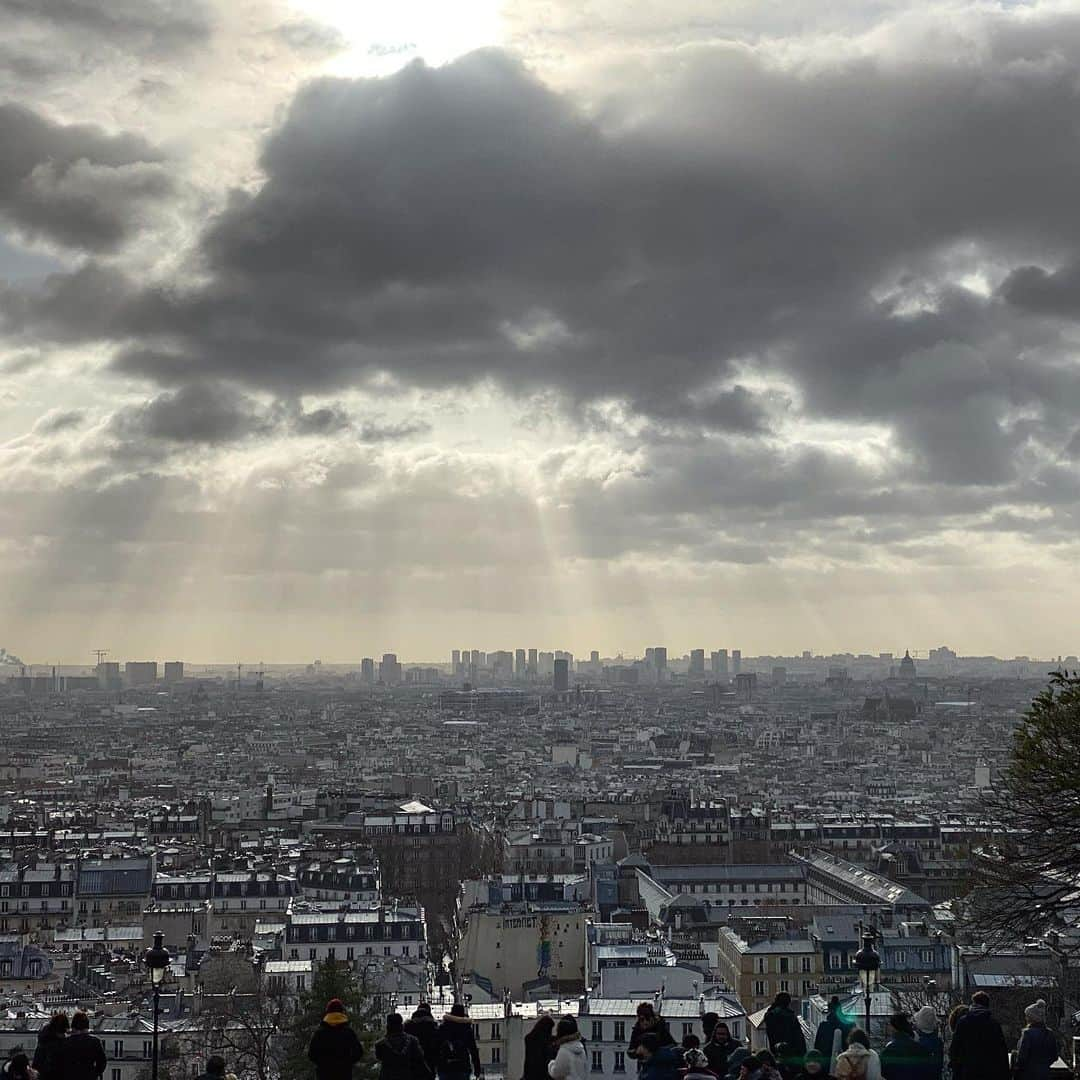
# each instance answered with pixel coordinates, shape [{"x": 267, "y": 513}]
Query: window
[
  {"x": 761, "y": 988},
  {"x": 807, "y": 964},
  {"x": 835, "y": 960},
  {"x": 598, "y": 1030},
  {"x": 688, "y": 1029},
  {"x": 927, "y": 956},
  {"x": 118, "y": 1048},
  {"x": 313, "y": 954},
  {"x": 598, "y": 1061},
  {"x": 148, "y": 1048},
  {"x": 761, "y": 965},
  {"x": 496, "y": 1031},
  {"x": 899, "y": 957},
  {"x": 785, "y": 965},
  {"x": 785, "y": 986},
  {"x": 620, "y": 1032},
  {"x": 496, "y": 1055},
  {"x": 620, "y": 1061},
  {"x": 116, "y": 1074}
]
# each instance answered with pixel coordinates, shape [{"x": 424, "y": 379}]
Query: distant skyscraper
[
  {"x": 907, "y": 666},
  {"x": 736, "y": 661},
  {"x": 367, "y": 671},
  {"x": 502, "y": 664},
  {"x": 746, "y": 686},
  {"x": 108, "y": 673},
  {"x": 562, "y": 676},
  {"x": 720, "y": 663},
  {"x": 519, "y": 663},
  {"x": 650, "y": 658},
  {"x": 533, "y": 669},
  {"x": 697, "y": 662},
  {"x": 140, "y": 672},
  {"x": 389, "y": 670},
  {"x": 475, "y": 658},
  {"x": 594, "y": 659},
  {"x": 174, "y": 671},
  {"x": 455, "y": 661},
  {"x": 660, "y": 657}
]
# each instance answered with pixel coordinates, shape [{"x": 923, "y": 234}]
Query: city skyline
[{"x": 717, "y": 319}]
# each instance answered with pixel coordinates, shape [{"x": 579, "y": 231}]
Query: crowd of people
[{"x": 423, "y": 1049}]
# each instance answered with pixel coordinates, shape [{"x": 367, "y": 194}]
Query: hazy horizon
[{"x": 328, "y": 331}]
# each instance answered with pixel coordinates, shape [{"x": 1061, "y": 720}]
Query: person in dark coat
[
  {"x": 215, "y": 1068},
  {"x": 903, "y": 1058},
  {"x": 458, "y": 1052},
  {"x": 335, "y": 1048},
  {"x": 399, "y": 1054},
  {"x": 825, "y": 1037},
  {"x": 978, "y": 1047},
  {"x": 82, "y": 1057},
  {"x": 648, "y": 1022},
  {"x": 660, "y": 1061},
  {"x": 47, "y": 1053},
  {"x": 782, "y": 1026},
  {"x": 423, "y": 1028},
  {"x": 17, "y": 1068},
  {"x": 1038, "y": 1047},
  {"x": 719, "y": 1046},
  {"x": 539, "y": 1048}
]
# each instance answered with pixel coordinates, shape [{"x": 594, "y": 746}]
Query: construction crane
[{"x": 100, "y": 654}]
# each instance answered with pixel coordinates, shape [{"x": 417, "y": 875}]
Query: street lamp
[
  {"x": 868, "y": 965},
  {"x": 157, "y": 962}
]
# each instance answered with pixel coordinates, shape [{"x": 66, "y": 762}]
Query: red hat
[{"x": 335, "y": 1005}]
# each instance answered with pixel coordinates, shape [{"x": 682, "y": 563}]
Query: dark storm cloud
[
  {"x": 730, "y": 210},
  {"x": 75, "y": 184},
  {"x": 197, "y": 413}
]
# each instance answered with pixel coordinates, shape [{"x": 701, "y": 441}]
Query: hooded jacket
[
  {"x": 401, "y": 1057},
  {"x": 1035, "y": 1053},
  {"x": 664, "y": 1064},
  {"x": 826, "y": 1032},
  {"x": 457, "y": 1046},
  {"x": 570, "y": 1062},
  {"x": 719, "y": 1051},
  {"x": 81, "y": 1057},
  {"x": 978, "y": 1046},
  {"x": 858, "y": 1063},
  {"x": 539, "y": 1053},
  {"x": 334, "y": 1048},
  {"x": 425, "y": 1030},
  {"x": 782, "y": 1026}
]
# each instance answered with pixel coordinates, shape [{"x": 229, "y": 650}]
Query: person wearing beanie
[
  {"x": 423, "y": 1028},
  {"x": 926, "y": 1035},
  {"x": 978, "y": 1050},
  {"x": 458, "y": 1051},
  {"x": 399, "y": 1054},
  {"x": 1038, "y": 1047},
  {"x": 334, "y": 1049},
  {"x": 815, "y": 1067},
  {"x": 696, "y": 1066},
  {"x": 570, "y": 1062}
]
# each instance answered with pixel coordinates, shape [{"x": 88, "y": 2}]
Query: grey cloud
[
  {"x": 196, "y": 413},
  {"x": 58, "y": 420},
  {"x": 74, "y": 184},
  {"x": 149, "y": 26},
  {"x": 735, "y": 209},
  {"x": 1045, "y": 292}
]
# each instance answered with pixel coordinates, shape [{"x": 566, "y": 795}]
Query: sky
[{"x": 329, "y": 329}]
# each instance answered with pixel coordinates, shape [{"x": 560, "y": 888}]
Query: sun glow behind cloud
[{"x": 382, "y": 37}]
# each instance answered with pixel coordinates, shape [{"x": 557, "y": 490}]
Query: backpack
[{"x": 454, "y": 1054}]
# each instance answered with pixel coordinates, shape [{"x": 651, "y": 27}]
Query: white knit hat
[{"x": 1036, "y": 1013}]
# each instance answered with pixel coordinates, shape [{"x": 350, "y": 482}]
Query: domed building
[{"x": 907, "y": 666}]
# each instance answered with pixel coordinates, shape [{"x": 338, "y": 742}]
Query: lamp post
[
  {"x": 157, "y": 962},
  {"x": 868, "y": 965}
]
